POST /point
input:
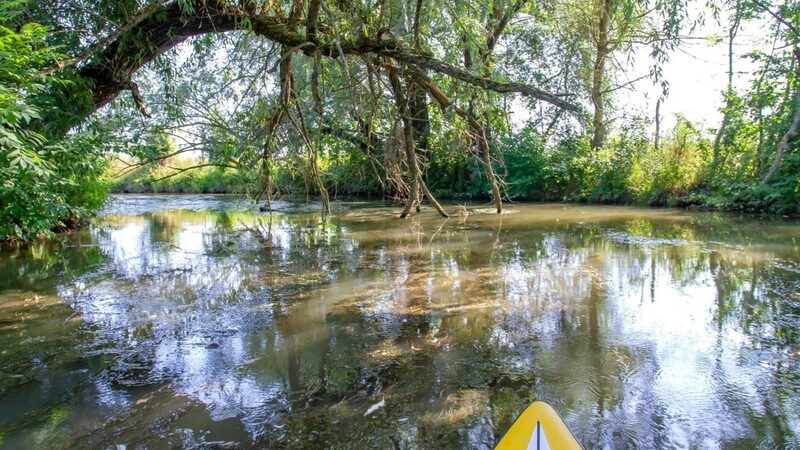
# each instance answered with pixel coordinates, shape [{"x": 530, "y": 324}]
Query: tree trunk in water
[
  {"x": 302, "y": 129},
  {"x": 417, "y": 103},
  {"x": 420, "y": 125},
  {"x": 266, "y": 187},
  {"x": 477, "y": 128},
  {"x": 274, "y": 122},
  {"x": 318, "y": 108},
  {"x": 408, "y": 141},
  {"x": 487, "y": 162},
  {"x": 411, "y": 158},
  {"x": 484, "y": 134},
  {"x": 481, "y": 131},
  {"x": 323, "y": 192}
]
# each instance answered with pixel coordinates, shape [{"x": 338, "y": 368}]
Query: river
[{"x": 199, "y": 322}]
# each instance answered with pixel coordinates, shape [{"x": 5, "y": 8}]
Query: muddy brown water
[{"x": 198, "y": 322}]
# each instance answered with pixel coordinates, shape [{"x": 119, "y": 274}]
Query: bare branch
[{"x": 780, "y": 19}]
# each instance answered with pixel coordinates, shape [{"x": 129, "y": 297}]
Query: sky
[{"x": 698, "y": 74}]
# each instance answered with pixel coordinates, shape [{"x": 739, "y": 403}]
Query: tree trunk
[
  {"x": 408, "y": 141},
  {"x": 791, "y": 133},
  {"x": 318, "y": 108},
  {"x": 415, "y": 176},
  {"x": 274, "y": 122},
  {"x": 487, "y": 162},
  {"x": 477, "y": 128},
  {"x": 481, "y": 132},
  {"x": 598, "y": 77},
  {"x": 658, "y": 125},
  {"x": 726, "y": 118},
  {"x": 784, "y": 145}
]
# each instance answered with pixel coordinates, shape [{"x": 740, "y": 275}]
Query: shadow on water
[{"x": 194, "y": 321}]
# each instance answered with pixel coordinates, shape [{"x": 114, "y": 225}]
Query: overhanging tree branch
[
  {"x": 165, "y": 27},
  {"x": 777, "y": 17}
]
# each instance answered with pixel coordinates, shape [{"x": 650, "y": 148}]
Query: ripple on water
[
  {"x": 627, "y": 238},
  {"x": 132, "y": 204},
  {"x": 283, "y": 330}
]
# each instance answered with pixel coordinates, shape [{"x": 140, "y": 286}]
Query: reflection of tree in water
[
  {"x": 389, "y": 341},
  {"x": 164, "y": 227},
  {"x": 41, "y": 266},
  {"x": 610, "y": 365},
  {"x": 422, "y": 350},
  {"x": 292, "y": 326},
  {"x": 757, "y": 297}
]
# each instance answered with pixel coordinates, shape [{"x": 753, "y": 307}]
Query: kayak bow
[{"x": 539, "y": 427}]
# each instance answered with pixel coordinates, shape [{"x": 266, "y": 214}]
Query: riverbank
[
  {"x": 204, "y": 180},
  {"x": 212, "y": 181}
]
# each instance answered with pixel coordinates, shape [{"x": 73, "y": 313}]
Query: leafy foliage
[
  {"x": 255, "y": 112},
  {"x": 43, "y": 186}
]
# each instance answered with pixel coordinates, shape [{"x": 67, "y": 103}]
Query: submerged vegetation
[
  {"x": 412, "y": 100},
  {"x": 193, "y": 321}
]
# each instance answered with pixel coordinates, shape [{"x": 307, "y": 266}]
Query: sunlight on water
[{"x": 182, "y": 320}]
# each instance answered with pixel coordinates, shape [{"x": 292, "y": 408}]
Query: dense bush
[
  {"x": 628, "y": 169},
  {"x": 44, "y": 186},
  {"x": 205, "y": 180}
]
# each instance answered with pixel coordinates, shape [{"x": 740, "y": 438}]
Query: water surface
[{"x": 198, "y": 322}]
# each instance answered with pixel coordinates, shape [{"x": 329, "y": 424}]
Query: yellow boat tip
[{"x": 539, "y": 427}]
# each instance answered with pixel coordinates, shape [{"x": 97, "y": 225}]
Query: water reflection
[{"x": 162, "y": 324}]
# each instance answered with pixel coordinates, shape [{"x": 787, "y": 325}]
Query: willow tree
[
  {"x": 614, "y": 31},
  {"x": 786, "y": 28},
  {"x": 735, "y": 21},
  {"x": 479, "y": 44},
  {"x": 381, "y": 41}
]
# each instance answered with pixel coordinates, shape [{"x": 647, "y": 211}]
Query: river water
[{"x": 198, "y": 322}]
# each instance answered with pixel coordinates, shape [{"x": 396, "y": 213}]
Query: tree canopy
[{"x": 411, "y": 100}]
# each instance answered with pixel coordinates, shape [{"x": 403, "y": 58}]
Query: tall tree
[
  {"x": 792, "y": 36},
  {"x": 733, "y": 29}
]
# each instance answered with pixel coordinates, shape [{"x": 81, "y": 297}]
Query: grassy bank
[
  {"x": 177, "y": 177},
  {"x": 629, "y": 169}
]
